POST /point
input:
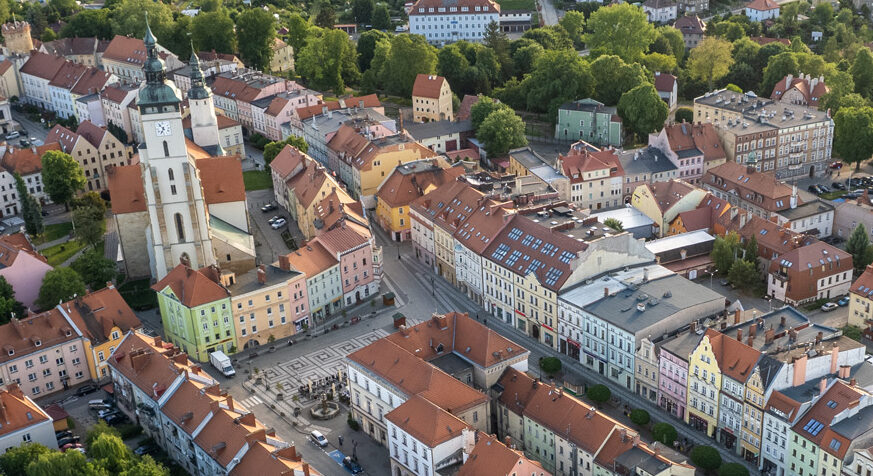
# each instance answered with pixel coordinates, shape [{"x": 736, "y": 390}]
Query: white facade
[
  {"x": 441, "y": 25},
  {"x": 369, "y": 396},
  {"x": 468, "y": 270},
  {"x": 775, "y": 442},
  {"x": 499, "y": 296},
  {"x": 36, "y": 91},
  {"x": 418, "y": 458},
  {"x": 323, "y": 289},
  {"x": 661, "y": 13},
  {"x": 730, "y": 409},
  {"x": 42, "y": 433},
  {"x": 827, "y": 287},
  {"x": 761, "y": 15},
  {"x": 90, "y": 108},
  {"x": 62, "y": 101}
]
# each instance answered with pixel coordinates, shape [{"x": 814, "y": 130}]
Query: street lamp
[{"x": 711, "y": 273}]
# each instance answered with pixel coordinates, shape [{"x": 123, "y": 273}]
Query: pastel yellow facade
[
  {"x": 98, "y": 355},
  {"x": 753, "y": 415},
  {"x": 860, "y": 310},
  {"x": 704, "y": 384},
  {"x": 444, "y": 247},
  {"x": 307, "y": 213},
  {"x": 260, "y": 316},
  {"x": 396, "y": 218},
  {"x": 517, "y": 168},
  {"x": 538, "y": 307},
  {"x": 384, "y": 163}
]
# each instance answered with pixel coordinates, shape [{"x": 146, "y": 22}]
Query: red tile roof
[
  {"x": 92, "y": 81},
  {"x": 4, "y": 66},
  {"x": 42, "y": 65},
  {"x": 577, "y": 162},
  {"x": 125, "y": 49},
  {"x": 749, "y": 185},
  {"x": 35, "y": 332},
  {"x": 664, "y": 82},
  {"x": 67, "y": 75},
  {"x": 17, "y": 411},
  {"x": 98, "y": 312},
  {"x": 312, "y": 259},
  {"x": 490, "y": 457},
  {"x": 466, "y": 105},
  {"x": 428, "y": 86},
  {"x": 735, "y": 359},
  {"x": 401, "y": 187},
  {"x": 690, "y": 25},
  {"x": 762, "y": 5},
  {"x": 221, "y": 179},
  {"x": 837, "y": 399},
  {"x": 92, "y": 133},
  {"x": 703, "y": 137},
  {"x": 487, "y": 6},
  {"x": 26, "y": 160},
  {"x": 192, "y": 287},
  {"x": 63, "y": 136},
  {"x": 426, "y": 422},
  {"x": 812, "y": 89},
  {"x": 126, "y": 189},
  {"x": 763, "y": 40},
  {"x": 863, "y": 286}
]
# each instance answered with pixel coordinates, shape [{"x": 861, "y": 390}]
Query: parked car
[
  {"x": 24, "y": 142},
  {"x": 837, "y": 165},
  {"x": 145, "y": 449},
  {"x": 12, "y": 135},
  {"x": 279, "y": 223},
  {"x": 73, "y": 446},
  {"x": 67, "y": 441},
  {"x": 63, "y": 434},
  {"x": 318, "y": 438},
  {"x": 828, "y": 307},
  {"x": 814, "y": 189},
  {"x": 274, "y": 219},
  {"x": 86, "y": 389},
  {"x": 115, "y": 419},
  {"x": 106, "y": 412},
  {"x": 352, "y": 465},
  {"x": 843, "y": 302},
  {"x": 824, "y": 188},
  {"x": 838, "y": 186},
  {"x": 100, "y": 406},
  {"x": 268, "y": 207}
]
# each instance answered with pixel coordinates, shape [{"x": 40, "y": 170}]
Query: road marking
[{"x": 251, "y": 401}]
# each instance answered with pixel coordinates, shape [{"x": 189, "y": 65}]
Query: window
[
  {"x": 100, "y": 356},
  {"x": 170, "y": 174},
  {"x": 166, "y": 149},
  {"x": 180, "y": 231},
  {"x": 43, "y": 359}
]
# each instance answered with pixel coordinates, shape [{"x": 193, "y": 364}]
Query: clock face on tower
[{"x": 162, "y": 128}]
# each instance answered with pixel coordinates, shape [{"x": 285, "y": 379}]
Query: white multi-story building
[
  {"x": 780, "y": 415},
  {"x": 23, "y": 421},
  {"x": 444, "y": 22}
]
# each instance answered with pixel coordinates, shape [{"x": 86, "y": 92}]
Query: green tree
[
  {"x": 724, "y": 252},
  {"x": 109, "y": 452},
  {"x": 853, "y": 134},
  {"x": 367, "y": 47},
  {"x": 710, "y": 60},
  {"x": 840, "y": 84},
  {"x": 207, "y": 6},
  {"x": 65, "y": 8},
  {"x": 381, "y": 17},
  {"x": 88, "y": 225},
  {"x": 640, "y": 417},
  {"x": 550, "y": 37},
  {"x": 362, "y": 10},
  {"x": 777, "y": 68},
  {"x": 733, "y": 87},
  {"x": 706, "y": 458},
  {"x": 495, "y": 39},
  {"x": 14, "y": 462},
  {"x": 614, "y": 223},
  {"x": 99, "y": 428},
  {"x": 664, "y": 433},
  {"x": 146, "y": 466},
  {"x": 298, "y": 31},
  {"x": 58, "y": 285},
  {"x": 674, "y": 38},
  {"x": 325, "y": 16},
  {"x": 613, "y": 77},
  {"x": 734, "y": 469},
  {"x": 684, "y": 114},
  {"x": 751, "y": 250},
  {"x": 328, "y": 61},
  {"x": 453, "y": 65},
  {"x": 31, "y": 212},
  {"x": 659, "y": 62},
  {"x": 482, "y": 109},
  {"x": 525, "y": 57},
  {"x": 858, "y": 245},
  {"x": 743, "y": 274},
  {"x": 862, "y": 73},
  {"x": 8, "y": 305},
  {"x": 620, "y": 29},
  {"x": 557, "y": 77},
  {"x": 501, "y": 132},
  {"x": 71, "y": 463},
  {"x": 550, "y": 365},
  {"x": 599, "y": 393},
  {"x": 213, "y": 31},
  {"x": 642, "y": 110},
  {"x": 255, "y": 32},
  {"x": 48, "y": 35},
  {"x": 62, "y": 176},
  {"x": 128, "y": 18},
  {"x": 95, "y": 269},
  {"x": 410, "y": 55},
  {"x": 87, "y": 23},
  {"x": 272, "y": 149},
  {"x": 574, "y": 24}
]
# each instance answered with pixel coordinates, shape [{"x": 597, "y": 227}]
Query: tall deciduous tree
[
  {"x": 613, "y": 77},
  {"x": 95, "y": 269},
  {"x": 329, "y": 61},
  {"x": 710, "y": 60},
  {"x": 14, "y": 462},
  {"x": 214, "y": 31},
  {"x": 642, "y": 110},
  {"x": 272, "y": 149},
  {"x": 501, "y": 132},
  {"x": 558, "y": 77},
  {"x": 840, "y": 84},
  {"x": 410, "y": 55},
  {"x": 777, "y": 68},
  {"x": 255, "y": 32},
  {"x": 620, "y": 29},
  {"x": 858, "y": 245},
  {"x": 862, "y": 73},
  {"x": 853, "y": 134},
  {"x": 88, "y": 23},
  {"x": 381, "y": 17},
  {"x": 482, "y": 109},
  {"x": 128, "y": 18},
  {"x": 58, "y": 285},
  {"x": 8, "y": 305},
  {"x": 325, "y": 16},
  {"x": 574, "y": 24},
  {"x": 362, "y": 10},
  {"x": 674, "y": 38},
  {"x": 62, "y": 176},
  {"x": 31, "y": 212},
  {"x": 367, "y": 47},
  {"x": 298, "y": 31}
]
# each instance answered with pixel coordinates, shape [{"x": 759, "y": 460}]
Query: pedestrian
[{"x": 341, "y": 441}]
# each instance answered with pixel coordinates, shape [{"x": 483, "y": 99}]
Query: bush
[
  {"x": 129, "y": 430},
  {"x": 733, "y": 469},
  {"x": 706, "y": 458},
  {"x": 665, "y": 433},
  {"x": 599, "y": 393},
  {"x": 353, "y": 424},
  {"x": 640, "y": 417},
  {"x": 685, "y": 114},
  {"x": 550, "y": 365}
]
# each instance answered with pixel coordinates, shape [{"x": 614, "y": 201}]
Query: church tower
[
  {"x": 204, "y": 124},
  {"x": 179, "y": 224}
]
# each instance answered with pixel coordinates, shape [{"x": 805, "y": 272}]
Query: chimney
[
  {"x": 262, "y": 274},
  {"x": 750, "y": 341},
  {"x": 835, "y": 357},
  {"x": 844, "y": 372},
  {"x": 157, "y": 341},
  {"x": 753, "y": 331},
  {"x": 285, "y": 262},
  {"x": 739, "y": 335},
  {"x": 818, "y": 337},
  {"x": 737, "y": 314},
  {"x": 788, "y": 81},
  {"x": 768, "y": 336},
  {"x": 605, "y": 291},
  {"x": 782, "y": 321},
  {"x": 822, "y": 385},
  {"x": 793, "y": 200},
  {"x": 693, "y": 327},
  {"x": 306, "y": 469},
  {"x": 853, "y": 382}
]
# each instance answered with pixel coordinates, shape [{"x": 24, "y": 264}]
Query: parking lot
[{"x": 268, "y": 241}]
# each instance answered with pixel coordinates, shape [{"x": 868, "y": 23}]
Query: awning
[{"x": 108, "y": 388}]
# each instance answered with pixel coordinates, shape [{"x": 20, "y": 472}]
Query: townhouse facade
[
  {"x": 860, "y": 300},
  {"x": 24, "y": 422},
  {"x": 440, "y": 22},
  {"x": 812, "y": 272},
  {"x": 94, "y": 148},
  {"x": 125, "y": 56},
  {"x": 692, "y": 148},
  {"x": 590, "y": 121},
  {"x": 596, "y": 178},
  {"x": 431, "y": 99}
]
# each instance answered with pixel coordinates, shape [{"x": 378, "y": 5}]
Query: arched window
[
  {"x": 170, "y": 174},
  {"x": 180, "y": 230},
  {"x": 166, "y": 149}
]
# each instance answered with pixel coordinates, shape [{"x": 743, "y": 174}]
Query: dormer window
[
  {"x": 11, "y": 352},
  {"x": 68, "y": 333},
  {"x": 37, "y": 342}
]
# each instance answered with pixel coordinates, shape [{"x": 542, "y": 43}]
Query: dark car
[
  {"x": 115, "y": 419},
  {"x": 86, "y": 389},
  {"x": 824, "y": 188},
  {"x": 838, "y": 186},
  {"x": 268, "y": 207},
  {"x": 352, "y": 465},
  {"x": 63, "y": 434},
  {"x": 814, "y": 189},
  {"x": 67, "y": 440},
  {"x": 145, "y": 449}
]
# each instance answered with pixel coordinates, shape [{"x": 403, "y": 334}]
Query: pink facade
[
  {"x": 356, "y": 272},
  {"x": 299, "y": 301},
  {"x": 49, "y": 368},
  {"x": 672, "y": 385},
  {"x": 25, "y": 275}
]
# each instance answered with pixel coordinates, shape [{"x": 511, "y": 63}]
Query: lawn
[
  {"x": 138, "y": 294},
  {"x": 257, "y": 179},
  {"x": 517, "y": 5},
  {"x": 53, "y": 232},
  {"x": 852, "y": 332},
  {"x": 57, "y": 254},
  {"x": 833, "y": 195}
]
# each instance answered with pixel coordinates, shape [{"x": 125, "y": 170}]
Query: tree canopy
[
  {"x": 62, "y": 176},
  {"x": 58, "y": 285},
  {"x": 501, "y": 132},
  {"x": 255, "y": 32},
  {"x": 710, "y": 60},
  {"x": 642, "y": 110},
  {"x": 329, "y": 61},
  {"x": 620, "y": 29}
]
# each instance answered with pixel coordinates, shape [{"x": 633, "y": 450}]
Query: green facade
[
  {"x": 198, "y": 330},
  {"x": 589, "y": 120}
]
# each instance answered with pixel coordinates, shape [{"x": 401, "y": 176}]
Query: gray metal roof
[
  {"x": 682, "y": 345},
  {"x": 629, "y": 217},
  {"x": 645, "y": 160},
  {"x": 679, "y": 241},
  {"x": 808, "y": 209}
]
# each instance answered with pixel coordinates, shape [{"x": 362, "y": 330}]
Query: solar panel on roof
[
  {"x": 500, "y": 252},
  {"x": 528, "y": 239}
]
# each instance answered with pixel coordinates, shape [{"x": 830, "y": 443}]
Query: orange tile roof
[
  {"x": 11, "y": 245},
  {"x": 67, "y": 75},
  {"x": 762, "y": 5},
  {"x": 401, "y": 187},
  {"x": 426, "y": 422},
  {"x": 226, "y": 433},
  {"x": 43, "y": 66},
  {"x": 763, "y": 40},
  {"x": 802, "y": 84},
  {"x": 339, "y": 209},
  {"x": 577, "y": 162},
  {"x": 115, "y": 94},
  {"x": 192, "y": 287},
  {"x": 17, "y": 411},
  {"x": 863, "y": 286},
  {"x": 486, "y": 5},
  {"x": 287, "y": 161},
  {"x": 221, "y": 179},
  {"x": 312, "y": 259},
  {"x": 20, "y": 336},
  {"x": 460, "y": 334},
  {"x": 26, "y": 160},
  {"x": 779, "y": 402},
  {"x": 276, "y": 106},
  {"x": 752, "y": 186},
  {"x": 484, "y": 225},
  {"x": 838, "y": 398},
  {"x": 619, "y": 441},
  {"x": 125, "y": 49},
  {"x": 518, "y": 389},
  {"x": 190, "y": 404},
  {"x": 427, "y": 86},
  {"x": 126, "y": 189},
  {"x": 308, "y": 183},
  {"x": 98, "y": 312},
  {"x": 342, "y": 238},
  {"x": 666, "y": 194},
  {"x": 490, "y": 457},
  {"x": 735, "y": 359},
  {"x": 265, "y": 459},
  {"x": 225, "y": 122},
  {"x": 5, "y": 65}
]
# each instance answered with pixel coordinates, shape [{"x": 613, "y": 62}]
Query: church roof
[
  {"x": 221, "y": 179},
  {"x": 126, "y": 189}
]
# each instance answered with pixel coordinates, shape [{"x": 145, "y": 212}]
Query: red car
[{"x": 837, "y": 165}]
